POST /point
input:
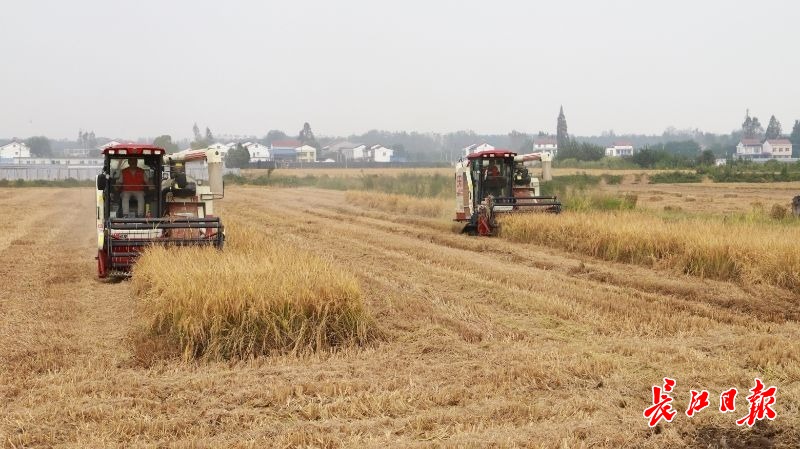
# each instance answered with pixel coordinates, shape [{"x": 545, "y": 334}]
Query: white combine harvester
[
  {"x": 498, "y": 181},
  {"x": 144, "y": 197}
]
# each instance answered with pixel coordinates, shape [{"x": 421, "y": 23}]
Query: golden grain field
[
  {"x": 712, "y": 246},
  {"x": 713, "y": 198},
  {"x": 745, "y": 252},
  {"x": 483, "y": 342},
  {"x": 401, "y": 204},
  {"x": 258, "y": 297}
]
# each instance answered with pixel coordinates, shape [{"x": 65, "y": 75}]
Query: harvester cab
[
  {"x": 145, "y": 197},
  {"x": 499, "y": 182}
]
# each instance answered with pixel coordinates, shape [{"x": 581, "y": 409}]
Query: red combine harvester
[
  {"x": 498, "y": 182},
  {"x": 145, "y": 197}
]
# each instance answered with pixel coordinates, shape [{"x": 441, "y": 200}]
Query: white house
[
  {"x": 379, "y": 153},
  {"x": 748, "y": 148},
  {"x": 306, "y": 153},
  {"x": 778, "y": 148},
  {"x": 357, "y": 153},
  {"x": 258, "y": 152},
  {"x": 476, "y": 148},
  {"x": 346, "y": 151},
  {"x": 545, "y": 143},
  {"x": 620, "y": 149},
  {"x": 339, "y": 146},
  {"x": 14, "y": 149},
  {"x": 223, "y": 148}
]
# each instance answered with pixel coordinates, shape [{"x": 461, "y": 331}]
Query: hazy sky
[{"x": 144, "y": 68}]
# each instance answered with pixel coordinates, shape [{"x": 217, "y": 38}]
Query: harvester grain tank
[
  {"x": 145, "y": 197},
  {"x": 495, "y": 182}
]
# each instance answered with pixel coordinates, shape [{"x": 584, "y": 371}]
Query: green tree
[
  {"x": 706, "y": 158},
  {"x": 517, "y": 141},
  {"x": 165, "y": 142},
  {"x": 747, "y": 124},
  {"x": 774, "y": 130},
  {"x": 582, "y": 151},
  {"x": 273, "y": 135},
  {"x": 795, "y": 139},
  {"x": 688, "y": 148},
  {"x": 647, "y": 157},
  {"x": 562, "y": 136},
  {"x": 209, "y": 136},
  {"x": 238, "y": 157},
  {"x": 39, "y": 146},
  {"x": 306, "y": 136},
  {"x": 196, "y": 132},
  {"x": 659, "y": 157},
  {"x": 399, "y": 151},
  {"x": 751, "y": 127},
  {"x": 86, "y": 139},
  {"x": 200, "y": 141},
  {"x": 527, "y": 146}
]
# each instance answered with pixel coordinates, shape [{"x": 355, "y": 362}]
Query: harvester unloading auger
[
  {"x": 144, "y": 197},
  {"x": 495, "y": 182}
]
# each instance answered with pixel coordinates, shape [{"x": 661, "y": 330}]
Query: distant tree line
[
  {"x": 201, "y": 140},
  {"x": 86, "y": 140},
  {"x": 165, "y": 142},
  {"x": 40, "y": 146},
  {"x": 669, "y": 148}
]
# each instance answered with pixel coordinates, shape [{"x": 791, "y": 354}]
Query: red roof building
[{"x": 287, "y": 143}]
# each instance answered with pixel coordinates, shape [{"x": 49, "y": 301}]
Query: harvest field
[
  {"x": 466, "y": 342},
  {"x": 711, "y": 197}
]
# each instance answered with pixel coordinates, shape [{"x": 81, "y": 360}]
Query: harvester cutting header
[
  {"x": 499, "y": 182},
  {"x": 145, "y": 197}
]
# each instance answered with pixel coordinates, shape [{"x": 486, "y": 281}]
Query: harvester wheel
[
  {"x": 102, "y": 270},
  {"x": 470, "y": 229}
]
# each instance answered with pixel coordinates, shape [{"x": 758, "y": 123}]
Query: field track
[{"x": 486, "y": 343}]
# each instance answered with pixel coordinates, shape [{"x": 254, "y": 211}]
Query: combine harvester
[
  {"x": 495, "y": 182},
  {"x": 144, "y": 197}
]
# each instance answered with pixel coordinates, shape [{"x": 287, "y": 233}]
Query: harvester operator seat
[
  {"x": 493, "y": 180},
  {"x": 133, "y": 185}
]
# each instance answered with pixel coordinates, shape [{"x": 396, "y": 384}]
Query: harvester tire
[{"x": 470, "y": 229}]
